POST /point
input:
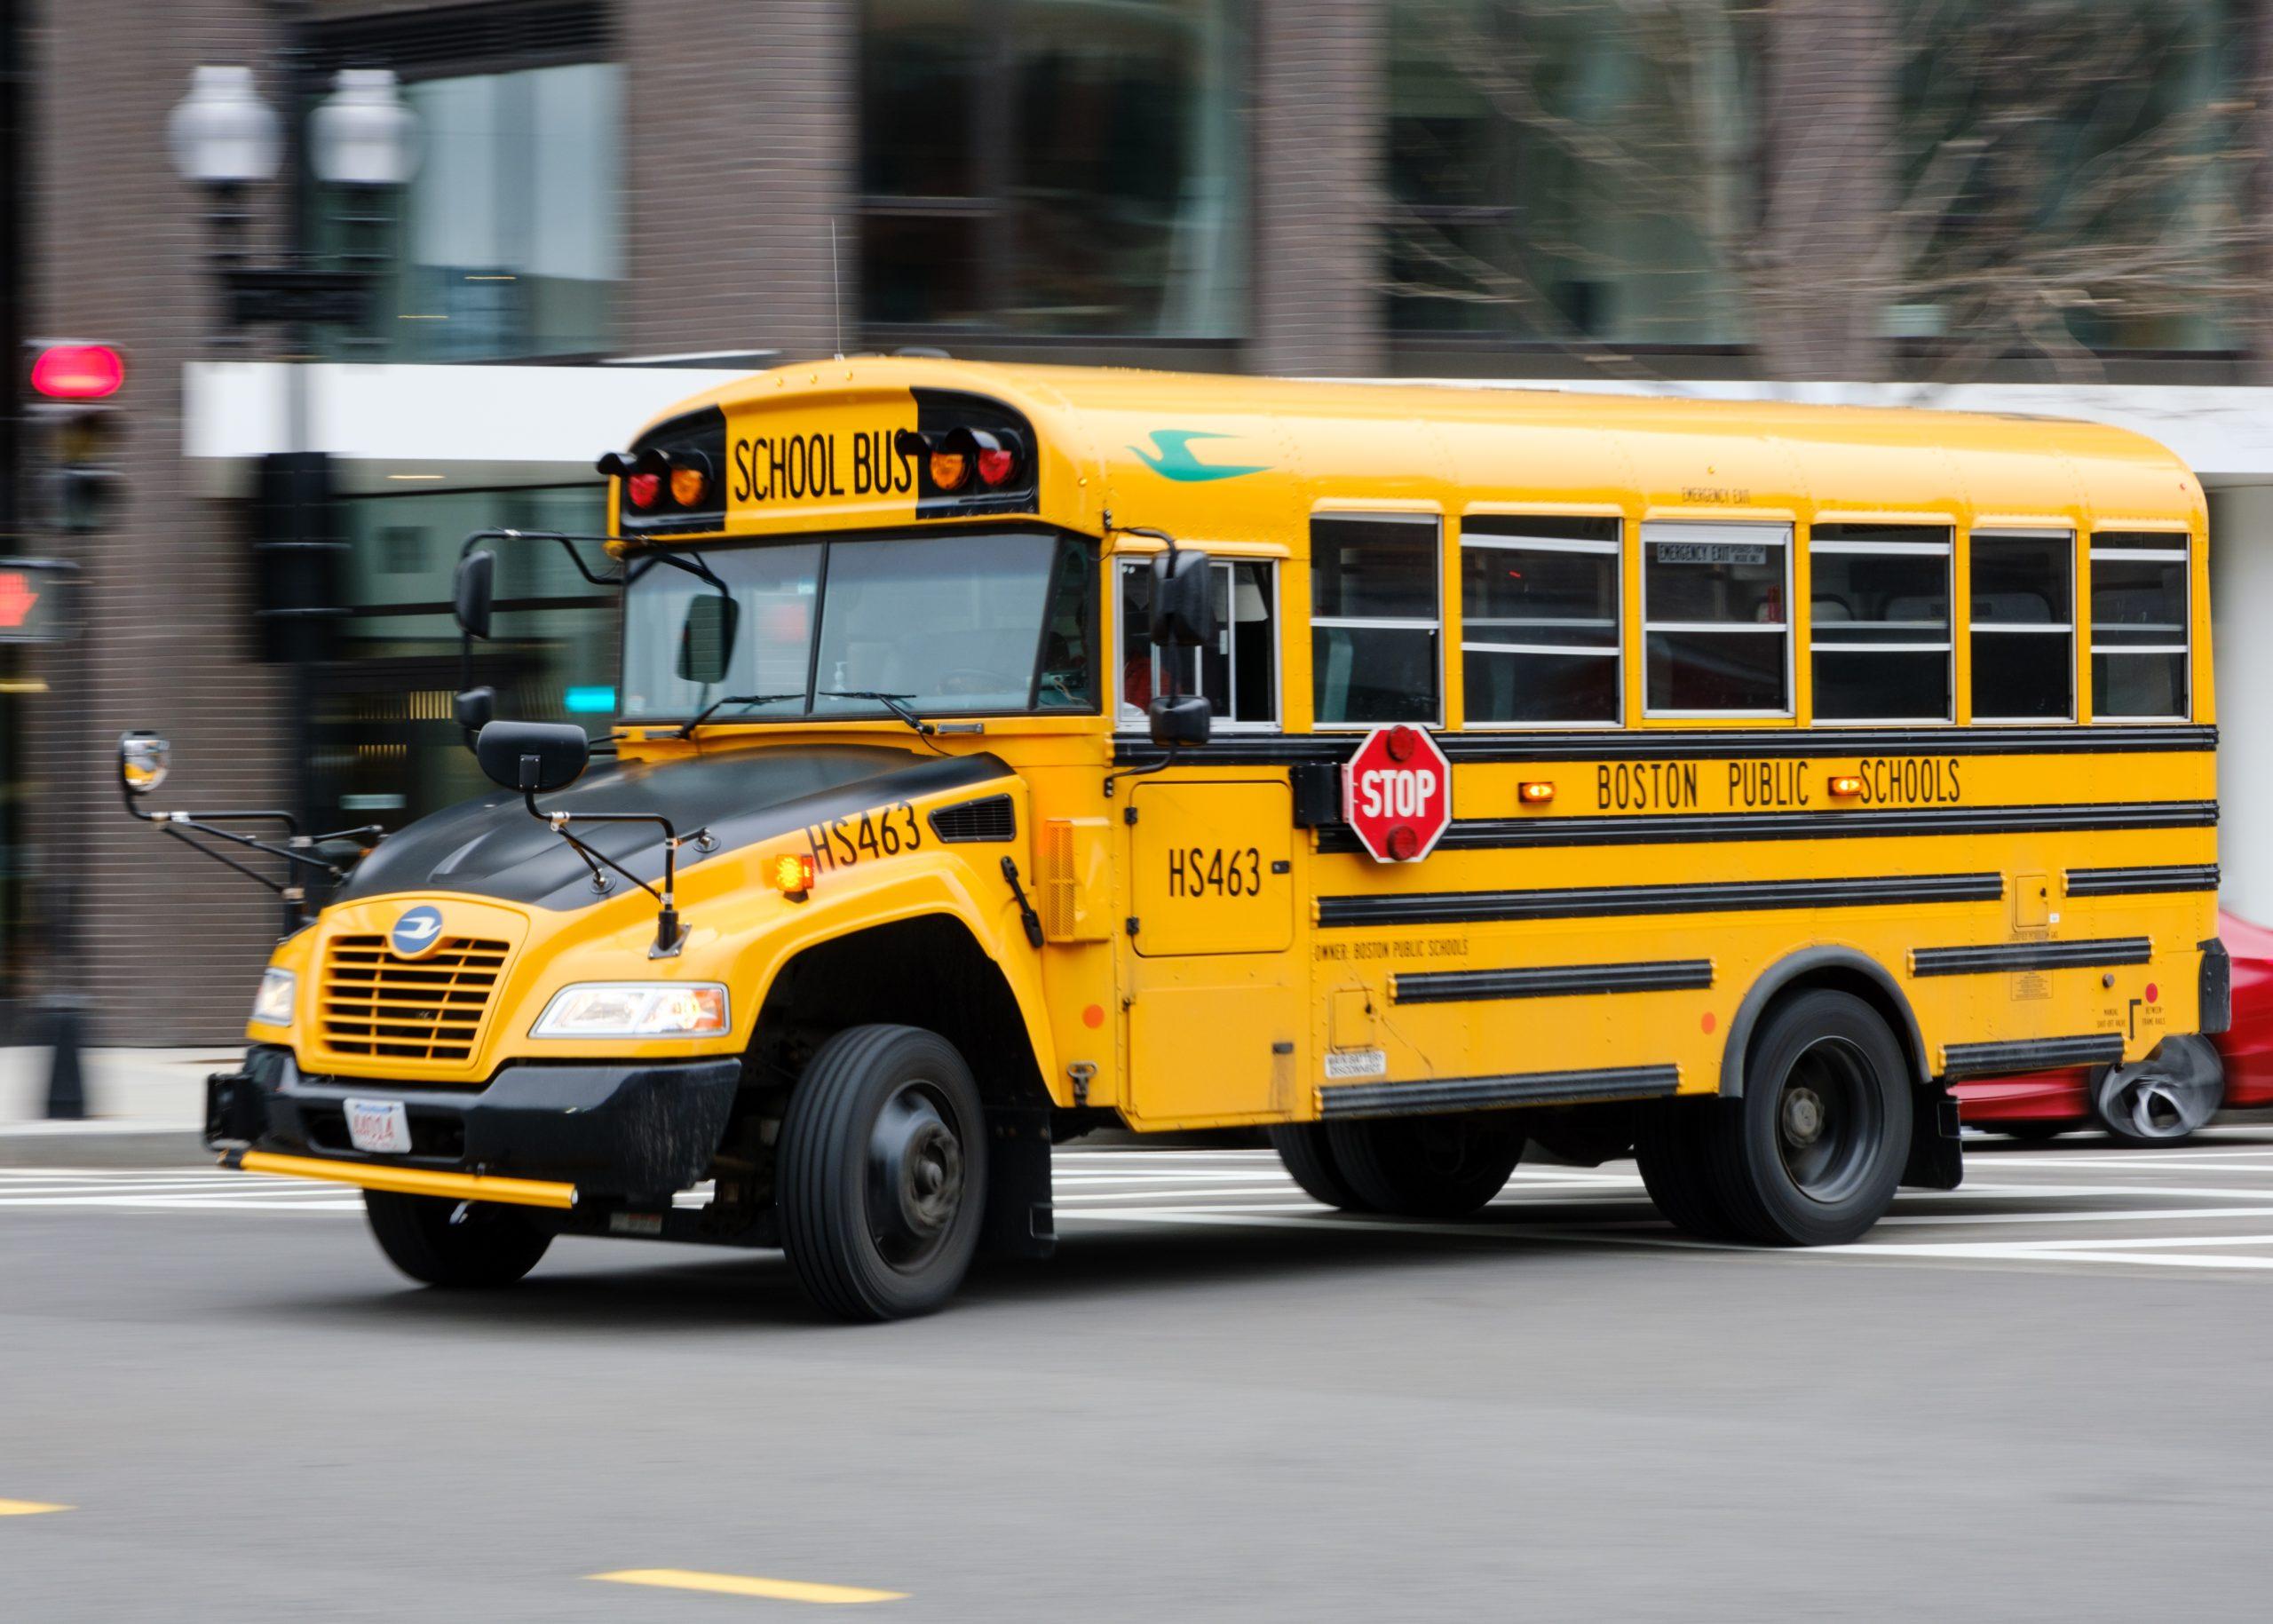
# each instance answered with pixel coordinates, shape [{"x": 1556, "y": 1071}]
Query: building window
[
  {"x": 1716, "y": 637},
  {"x": 2139, "y": 625},
  {"x": 1573, "y": 171},
  {"x": 1377, "y": 622},
  {"x": 2072, "y": 173},
  {"x": 1045, "y": 167},
  {"x": 2024, "y": 597},
  {"x": 508, "y": 244},
  {"x": 1878, "y": 622},
  {"x": 1538, "y": 621},
  {"x": 1239, "y": 675}
]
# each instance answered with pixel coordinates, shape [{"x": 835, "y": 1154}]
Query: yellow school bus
[{"x": 1414, "y": 773}]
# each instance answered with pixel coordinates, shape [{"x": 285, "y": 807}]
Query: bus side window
[
  {"x": 2139, "y": 625},
  {"x": 1716, "y": 622},
  {"x": 1238, "y": 674},
  {"x": 1879, "y": 619},
  {"x": 1539, "y": 619},
  {"x": 1376, "y": 623},
  {"x": 2023, "y": 595}
]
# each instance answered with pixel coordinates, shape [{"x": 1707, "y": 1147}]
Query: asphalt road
[{"x": 2041, "y": 1397}]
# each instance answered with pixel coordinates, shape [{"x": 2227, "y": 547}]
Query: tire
[
  {"x": 1426, "y": 1167},
  {"x": 881, "y": 1174},
  {"x": 1672, "y": 1146},
  {"x": 464, "y": 1245},
  {"x": 1308, "y": 1153},
  {"x": 1812, "y": 1154},
  {"x": 2163, "y": 1099}
]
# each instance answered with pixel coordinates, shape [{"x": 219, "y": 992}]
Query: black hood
[{"x": 491, "y": 847}]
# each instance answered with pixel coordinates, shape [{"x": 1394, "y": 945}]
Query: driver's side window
[{"x": 1239, "y": 675}]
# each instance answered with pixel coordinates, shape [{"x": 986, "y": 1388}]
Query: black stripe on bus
[
  {"x": 2141, "y": 882},
  {"x": 1605, "y": 901},
  {"x": 2030, "y": 955},
  {"x": 1520, "y": 1089},
  {"x": 1677, "y": 828},
  {"x": 2032, "y": 1055},
  {"x": 1692, "y": 744},
  {"x": 1550, "y": 981}
]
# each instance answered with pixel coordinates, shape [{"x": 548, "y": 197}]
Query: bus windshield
[{"x": 966, "y": 622}]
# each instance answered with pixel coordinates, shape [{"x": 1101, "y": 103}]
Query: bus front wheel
[
  {"x": 437, "y": 1241},
  {"x": 1811, "y": 1153},
  {"x": 879, "y": 1178},
  {"x": 1426, "y": 1167}
]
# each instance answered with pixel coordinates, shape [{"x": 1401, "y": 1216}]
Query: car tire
[
  {"x": 881, "y": 1173},
  {"x": 2162, "y": 1099},
  {"x": 1671, "y": 1147},
  {"x": 1307, "y": 1150},
  {"x": 463, "y": 1245},
  {"x": 1426, "y": 1167},
  {"x": 1812, "y": 1153}
]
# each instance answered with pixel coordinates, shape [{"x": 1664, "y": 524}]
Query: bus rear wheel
[
  {"x": 1308, "y": 1153},
  {"x": 881, "y": 1173},
  {"x": 437, "y": 1241},
  {"x": 1812, "y": 1153},
  {"x": 1426, "y": 1167}
]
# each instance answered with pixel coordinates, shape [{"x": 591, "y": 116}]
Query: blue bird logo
[{"x": 1171, "y": 458}]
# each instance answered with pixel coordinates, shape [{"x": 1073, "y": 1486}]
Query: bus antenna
[{"x": 836, "y": 287}]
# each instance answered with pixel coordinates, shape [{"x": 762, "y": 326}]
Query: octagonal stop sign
[{"x": 1397, "y": 794}]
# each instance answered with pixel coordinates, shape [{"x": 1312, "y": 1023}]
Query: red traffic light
[{"x": 78, "y": 372}]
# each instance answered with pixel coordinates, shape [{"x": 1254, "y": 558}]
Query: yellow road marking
[
  {"x": 27, "y": 1508},
  {"x": 737, "y": 1584}
]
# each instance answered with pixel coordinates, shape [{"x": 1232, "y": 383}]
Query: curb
[{"x": 100, "y": 1143}]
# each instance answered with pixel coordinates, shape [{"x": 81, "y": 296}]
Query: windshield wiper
[
  {"x": 687, "y": 729},
  {"x": 894, "y": 702}
]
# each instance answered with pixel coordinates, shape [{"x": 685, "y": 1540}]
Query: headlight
[
  {"x": 271, "y": 1006},
  {"x": 635, "y": 1009}
]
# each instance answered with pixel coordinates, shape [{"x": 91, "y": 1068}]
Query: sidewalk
[{"x": 144, "y": 1107}]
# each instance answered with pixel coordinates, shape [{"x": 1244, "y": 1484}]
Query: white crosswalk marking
[{"x": 2204, "y": 1206}]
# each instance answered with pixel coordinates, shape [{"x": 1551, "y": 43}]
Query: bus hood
[{"x": 491, "y": 847}]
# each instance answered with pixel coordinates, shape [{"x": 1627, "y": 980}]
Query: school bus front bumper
[{"x": 544, "y": 1135}]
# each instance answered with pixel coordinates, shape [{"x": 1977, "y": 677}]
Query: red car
[{"x": 2155, "y": 1102}]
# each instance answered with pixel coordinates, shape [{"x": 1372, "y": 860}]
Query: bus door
[{"x": 1215, "y": 1007}]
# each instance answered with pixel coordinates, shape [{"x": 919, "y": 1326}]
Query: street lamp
[
  {"x": 365, "y": 133},
  {"x": 222, "y": 133}
]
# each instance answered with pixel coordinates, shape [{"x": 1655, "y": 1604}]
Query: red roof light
[{"x": 78, "y": 372}]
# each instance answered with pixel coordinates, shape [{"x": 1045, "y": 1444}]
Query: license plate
[{"x": 378, "y": 1125}]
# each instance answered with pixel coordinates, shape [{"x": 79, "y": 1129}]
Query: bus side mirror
[
  {"x": 142, "y": 759},
  {"x": 534, "y": 758},
  {"x": 1183, "y": 609},
  {"x": 475, "y": 708},
  {"x": 706, "y": 639},
  {"x": 470, "y": 592},
  {"x": 1180, "y": 719}
]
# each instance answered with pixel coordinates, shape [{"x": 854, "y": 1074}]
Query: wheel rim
[
  {"x": 915, "y": 1175},
  {"x": 1829, "y": 1120},
  {"x": 2154, "y": 1105}
]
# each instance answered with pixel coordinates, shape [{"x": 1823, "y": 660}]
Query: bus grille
[{"x": 379, "y": 1005}]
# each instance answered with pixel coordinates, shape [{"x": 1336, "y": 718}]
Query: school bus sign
[{"x": 1397, "y": 794}]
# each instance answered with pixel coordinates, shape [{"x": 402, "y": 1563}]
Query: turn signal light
[
  {"x": 792, "y": 873},
  {"x": 642, "y": 489},
  {"x": 1533, "y": 795},
  {"x": 688, "y": 485},
  {"x": 1845, "y": 784}
]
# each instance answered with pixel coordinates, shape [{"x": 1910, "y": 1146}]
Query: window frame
[
  {"x": 2183, "y": 555},
  {"x": 1127, "y": 719},
  {"x": 1837, "y": 546},
  {"x": 1787, "y": 541},
  {"x": 1974, "y": 628},
  {"x": 1312, "y": 621},
  {"x": 1500, "y": 542}
]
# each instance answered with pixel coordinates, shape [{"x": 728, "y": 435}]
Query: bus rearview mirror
[
  {"x": 1179, "y": 719},
  {"x": 706, "y": 639},
  {"x": 470, "y": 592},
  {"x": 1184, "y": 610},
  {"x": 142, "y": 759},
  {"x": 534, "y": 758}
]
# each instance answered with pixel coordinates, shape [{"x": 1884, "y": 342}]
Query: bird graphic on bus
[{"x": 1171, "y": 457}]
